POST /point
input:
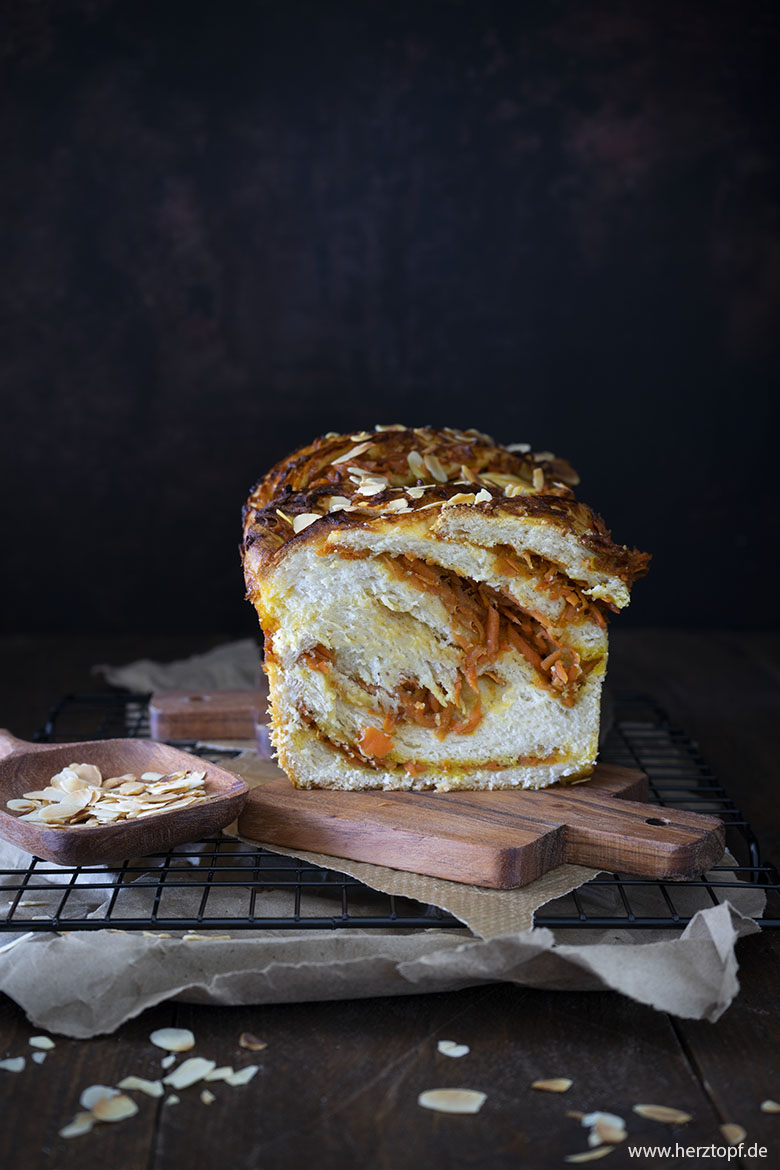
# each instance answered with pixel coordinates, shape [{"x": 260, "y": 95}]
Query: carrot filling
[
  {"x": 486, "y": 624},
  {"x": 556, "y": 584}
]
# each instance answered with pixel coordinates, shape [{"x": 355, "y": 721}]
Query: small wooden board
[
  {"x": 208, "y": 714},
  {"x": 497, "y": 839}
]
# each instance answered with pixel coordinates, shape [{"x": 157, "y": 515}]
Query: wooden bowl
[{"x": 25, "y": 767}]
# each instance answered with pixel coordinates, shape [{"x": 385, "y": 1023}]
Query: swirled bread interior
[{"x": 435, "y": 611}]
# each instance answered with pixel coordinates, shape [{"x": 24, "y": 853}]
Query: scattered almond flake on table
[
  {"x": 450, "y": 1048},
  {"x": 223, "y": 1073},
  {"x": 44, "y": 1042},
  {"x": 189, "y": 1072},
  {"x": 151, "y": 1088},
  {"x": 733, "y": 1133},
  {"x": 81, "y": 1123},
  {"x": 39, "y": 1057},
  {"x": 13, "y": 1063},
  {"x": 207, "y": 1097},
  {"x": 172, "y": 1100},
  {"x": 590, "y": 1155},
  {"x": 242, "y": 1076},
  {"x": 662, "y": 1113},
  {"x": 167, "y": 1061},
  {"x": 770, "y": 1106},
  {"x": 114, "y": 1108},
  {"x": 555, "y": 1085},
  {"x": 173, "y": 1039},
  {"x": 452, "y": 1100},
  {"x": 252, "y": 1042},
  {"x": 94, "y": 1093}
]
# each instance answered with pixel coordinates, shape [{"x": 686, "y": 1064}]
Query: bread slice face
[{"x": 435, "y": 612}]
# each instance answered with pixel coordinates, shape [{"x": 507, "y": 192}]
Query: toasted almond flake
[
  {"x": 223, "y": 1073},
  {"x": 575, "y": 1113},
  {"x": 13, "y": 1063},
  {"x": 252, "y": 1042},
  {"x": 114, "y": 1108},
  {"x": 33, "y": 902},
  {"x": 392, "y": 427},
  {"x": 602, "y": 1133},
  {"x": 94, "y": 1093},
  {"x": 538, "y": 479},
  {"x": 82, "y": 1123},
  {"x": 662, "y": 1113},
  {"x": 733, "y": 1133},
  {"x": 207, "y": 1097},
  {"x": 360, "y": 437},
  {"x": 770, "y": 1106},
  {"x": 173, "y": 1039},
  {"x": 416, "y": 465},
  {"x": 39, "y": 1057},
  {"x": 142, "y": 1085},
  {"x": 189, "y": 1071},
  {"x": 450, "y": 1048},
  {"x": 20, "y": 805},
  {"x": 452, "y": 1100},
  {"x": 555, "y": 1085},
  {"x": 353, "y": 453},
  {"x": 337, "y": 503},
  {"x": 521, "y": 448},
  {"x": 283, "y": 516},
  {"x": 599, "y": 1118},
  {"x": 416, "y": 492},
  {"x": 400, "y": 505},
  {"x": 590, "y": 1155},
  {"x": 469, "y": 475},
  {"x": 172, "y": 1099},
  {"x": 304, "y": 520},
  {"x": 370, "y": 487},
  {"x": 482, "y": 497},
  {"x": 434, "y": 466},
  {"x": 44, "y": 1042},
  {"x": 156, "y": 934},
  {"x": 167, "y": 1061},
  {"x": 242, "y": 1076},
  {"x": 460, "y": 498}
]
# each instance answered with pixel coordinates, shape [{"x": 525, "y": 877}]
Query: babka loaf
[{"x": 434, "y": 609}]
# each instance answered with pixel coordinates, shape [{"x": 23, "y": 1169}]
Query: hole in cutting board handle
[{"x": 655, "y": 821}]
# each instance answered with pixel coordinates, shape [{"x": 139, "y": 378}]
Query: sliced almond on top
[
  {"x": 662, "y": 1113},
  {"x": 173, "y": 1039},
  {"x": 556, "y": 1085},
  {"x": 351, "y": 454},
  {"x": 416, "y": 465},
  {"x": 434, "y": 466},
  {"x": 453, "y": 1100},
  {"x": 303, "y": 520}
]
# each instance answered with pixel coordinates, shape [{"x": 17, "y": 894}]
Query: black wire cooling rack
[{"x": 223, "y": 885}]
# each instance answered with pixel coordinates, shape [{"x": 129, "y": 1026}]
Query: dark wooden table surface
[{"x": 338, "y": 1082}]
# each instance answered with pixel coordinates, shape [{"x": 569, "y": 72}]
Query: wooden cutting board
[{"x": 496, "y": 839}]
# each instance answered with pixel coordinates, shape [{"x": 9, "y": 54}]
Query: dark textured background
[{"x": 226, "y": 228}]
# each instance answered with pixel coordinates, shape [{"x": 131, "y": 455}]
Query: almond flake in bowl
[{"x": 80, "y": 795}]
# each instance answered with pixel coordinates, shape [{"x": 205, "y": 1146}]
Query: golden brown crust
[{"x": 347, "y": 481}]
